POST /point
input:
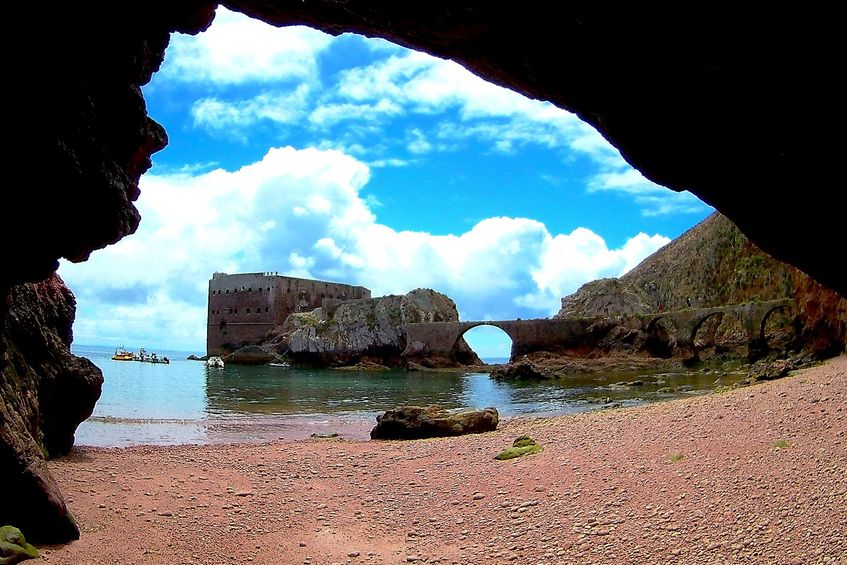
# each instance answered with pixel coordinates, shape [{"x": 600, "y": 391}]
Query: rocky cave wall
[
  {"x": 729, "y": 105},
  {"x": 45, "y": 392}
]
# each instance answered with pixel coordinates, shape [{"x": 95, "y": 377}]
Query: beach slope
[{"x": 758, "y": 474}]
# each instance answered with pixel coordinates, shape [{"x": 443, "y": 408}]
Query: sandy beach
[{"x": 756, "y": 475}]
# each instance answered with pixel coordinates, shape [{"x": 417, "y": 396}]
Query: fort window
[
  {"x": 227, "y": 291},
  {"x": 248, "y": 310},
  {"x": 269, "y": 289},
  {"x": 250, "y": 289},
  {"x": 222, "y": 325},
  {"x": 266, "y": 308}
]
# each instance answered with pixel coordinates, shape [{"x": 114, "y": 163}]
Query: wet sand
[{"x": 754, "y": 475}]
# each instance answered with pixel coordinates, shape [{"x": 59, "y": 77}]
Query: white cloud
[
  {"x": 238, "y": 49},
  {"x": 654, "y": 200},
  {"x": 330, "y": 114},
  {"x": 282, "y": 108},
  {"x": 301, "y": 212},
  {"x": 368, "y": 101},
  {"x": 417, "y": 143},
  {"x": 422, "y": 84}
]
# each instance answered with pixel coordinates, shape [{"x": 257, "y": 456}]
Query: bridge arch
[
  {"x": 661, "y": 336},
  {"x": 699, "y": 324},
  {"x": 783, "y": 307},
  {"x": 489, "y": 340}
]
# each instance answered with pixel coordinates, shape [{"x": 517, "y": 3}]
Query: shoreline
[
  {"x": 754, "y": 474},
  {"x": 258, "y": 427}
]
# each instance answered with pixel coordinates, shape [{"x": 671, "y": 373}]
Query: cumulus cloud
[
  {"x": 238, "y": 49},
  {"x": 417, "y": 83},
  {"x": 301, "y": 212},
  {"x": 362, "y": 103}
]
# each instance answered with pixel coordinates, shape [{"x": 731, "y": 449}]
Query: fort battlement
[{"x": 243, "y": 307}]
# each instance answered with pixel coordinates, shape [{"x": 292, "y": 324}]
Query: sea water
[{"x": 187, "y": 402}]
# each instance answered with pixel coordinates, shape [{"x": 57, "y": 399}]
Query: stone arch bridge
[{"x": 552, "y": 334}]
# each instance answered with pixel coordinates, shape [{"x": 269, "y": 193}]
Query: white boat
[
  {"x": 283, "y": 364},
  {"x": 215, "y": 361}
]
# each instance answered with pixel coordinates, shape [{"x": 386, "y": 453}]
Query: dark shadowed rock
[
  {"x": 45, "y": 392},
  {"x": 415, "y": 422}
]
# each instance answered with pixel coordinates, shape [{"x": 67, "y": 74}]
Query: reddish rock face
[{"x": 45, "y": 392}]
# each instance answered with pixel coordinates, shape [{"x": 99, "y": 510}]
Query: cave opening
[{"x": 357, "y": 160}]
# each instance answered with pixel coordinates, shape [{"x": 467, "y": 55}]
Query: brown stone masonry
[{"x": 244, "y": 306}]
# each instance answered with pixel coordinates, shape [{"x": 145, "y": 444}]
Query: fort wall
[{"x": 244, "y": 307}]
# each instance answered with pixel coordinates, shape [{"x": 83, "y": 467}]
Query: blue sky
[{"x": 355, "y": 160}]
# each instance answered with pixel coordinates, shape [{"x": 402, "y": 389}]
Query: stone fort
[{"x": 244, "y": 307}]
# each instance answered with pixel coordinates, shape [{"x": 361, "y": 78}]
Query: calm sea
[{"x": 186, "y": 402}]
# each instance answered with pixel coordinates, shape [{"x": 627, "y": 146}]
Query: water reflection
[
  {"x": 274, "y": 390},
  {"x": 186, "y": 402}
]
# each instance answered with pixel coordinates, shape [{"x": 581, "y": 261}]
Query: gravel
[{"x": 755, "y": 475}]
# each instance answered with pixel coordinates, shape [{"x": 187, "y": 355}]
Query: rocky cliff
[
  {"x": 369, "y": 331},
  {"x": 714, "y": 264},
  {"x": 45, "y": 392}
]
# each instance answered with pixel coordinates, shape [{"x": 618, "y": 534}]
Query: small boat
[
  {"x": 121, "y": 354},
  {"x": 145, "y": 357},
  {"x": 215, "y": 361},
  {"x": 283, "y": 365}
]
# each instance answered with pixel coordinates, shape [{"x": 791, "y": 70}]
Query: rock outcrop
[
  {"x": 606, "y": 297},
  {"x": 45, "y": 392},
  {"x": 250, "y": 355},
  {"x": 415, "y": 422},
  {"x": 365, "y": 331},
  {"x": 729, "y": 269}
]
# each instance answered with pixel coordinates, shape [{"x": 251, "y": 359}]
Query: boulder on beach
[{"x": 416, "y": 422}]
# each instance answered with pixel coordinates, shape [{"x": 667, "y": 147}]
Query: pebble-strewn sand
[{"x": 758, "y": 475}]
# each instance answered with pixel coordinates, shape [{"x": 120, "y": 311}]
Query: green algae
[
  {"x": 523, "y": 445},
  {"x": 14, "y": 547}
]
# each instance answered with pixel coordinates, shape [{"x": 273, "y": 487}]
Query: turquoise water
[{"x": 187, "y": 402}]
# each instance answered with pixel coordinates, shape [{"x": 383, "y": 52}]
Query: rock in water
[
  {"x": 523, "y": 369},
  {"x": 371, "y": 330},
  {"x": 14, "y": 547},
  {"x": 415, "y": 422},
  {"x": 250, "y": 355}
]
